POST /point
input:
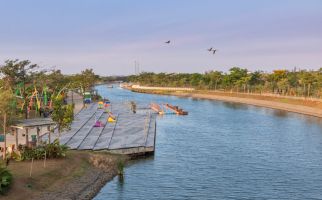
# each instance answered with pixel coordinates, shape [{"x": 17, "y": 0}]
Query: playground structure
[
  {"x": 105, "y": 103},
  {"x": 117, "y": 131},
  {"x": 38, "y": 101},
  {"x": 167, "y": 109},
  {"x": 100, "y": 105}
]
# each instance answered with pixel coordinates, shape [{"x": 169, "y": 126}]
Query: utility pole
[
  {"x": 136, "y": 67},
  {"x": 24, "y": 93}
]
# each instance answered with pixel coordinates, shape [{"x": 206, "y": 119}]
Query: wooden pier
[{"x": 132, "y": 133}]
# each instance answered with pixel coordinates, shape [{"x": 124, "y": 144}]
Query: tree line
[
  {"x": 20, "y": 79},
  {"x": 304, "y": 83}
]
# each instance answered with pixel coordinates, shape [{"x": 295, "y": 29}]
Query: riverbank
[
  {"x": 78, "y": 176},
  {"x": 306, "y": 107}
]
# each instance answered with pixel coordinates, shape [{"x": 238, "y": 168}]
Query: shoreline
[
  {"x": 102, "y": 170},
  {"x": 81, "y": 175},
  {"x": 297, "y": 106}
]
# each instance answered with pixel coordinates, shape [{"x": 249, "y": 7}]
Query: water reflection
[
  {"x": 278, "y": 113},
  {"x": 235, "y": 106},
  {"x": 224, "y": 150},
  {"x": 121, "y": 180}
]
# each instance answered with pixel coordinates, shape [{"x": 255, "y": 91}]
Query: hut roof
[{"x": 31, "y": 123}]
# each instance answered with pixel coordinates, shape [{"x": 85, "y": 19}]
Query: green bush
[
  {"x": 5, "y": 179},
  {"x": 53, "y": 150},
  {"x": 120, "y": 166}
]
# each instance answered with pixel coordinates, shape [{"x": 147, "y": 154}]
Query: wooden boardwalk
[{"x": 130, "y": 134}]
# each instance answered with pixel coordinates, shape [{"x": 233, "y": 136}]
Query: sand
[
  {"x": 263, "y": 103},
  {"x": 306, "y": 107}
]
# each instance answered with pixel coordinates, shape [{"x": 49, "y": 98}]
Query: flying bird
[
  {"x": 214, "y": 51},
  {"x": 167, "y": 42},
  {"x": 210, "y": 49}
]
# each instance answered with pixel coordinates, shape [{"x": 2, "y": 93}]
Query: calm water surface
[{"x": 223, "y": 151}]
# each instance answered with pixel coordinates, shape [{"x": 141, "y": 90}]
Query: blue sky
[{"x": 110, "y": 35}]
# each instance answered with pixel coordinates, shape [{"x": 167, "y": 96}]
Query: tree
[
  {"x": 16, "y": 72},
  {"x": 6, "y": 111},
  {"x": 55, "y": 80},
  {"x": 236, "y": 76},
  {"x": 283, "y": 85},
  {"x": 88, "y": 78},
  {"x": 280, "y": 81},
  {"x": 62, "y": 114},
  {"x": 215, "y": 77}
]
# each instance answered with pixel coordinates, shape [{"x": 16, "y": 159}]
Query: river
[{"x": 223, "y": 151}]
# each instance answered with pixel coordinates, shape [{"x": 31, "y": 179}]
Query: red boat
[{"x": 176, "y": 109}]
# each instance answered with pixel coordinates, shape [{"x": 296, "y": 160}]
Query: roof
[{"x": 31, "y": 123}]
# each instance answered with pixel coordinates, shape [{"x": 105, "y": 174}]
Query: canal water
[{"x": 223, "y": 151}]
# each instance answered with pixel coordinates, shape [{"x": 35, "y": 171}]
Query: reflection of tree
[
  {"x": 235, "y": 106},
  {"x": 280, "y": 113}
]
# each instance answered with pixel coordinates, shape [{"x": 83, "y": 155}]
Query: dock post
[{"x": 155, "y": 135}]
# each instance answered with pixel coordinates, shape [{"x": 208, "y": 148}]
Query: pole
[
  {"x": 45, "y": 159},
  {"x": 48, "y": 129},
  {"x": 16, "y": 134},
  {"x": 38, "y": 131},
  {"x": 32, "y": 162},
  {"x": 24, "y": 93},
  {"x": 27, "y": 136},
  {"x": 4, "y": 134}
]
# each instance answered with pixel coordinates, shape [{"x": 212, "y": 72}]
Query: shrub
[
  {"x": 53, "y": 150},
  {"x": 120, "y": 166},
  {"x": 5, "y": 179}
]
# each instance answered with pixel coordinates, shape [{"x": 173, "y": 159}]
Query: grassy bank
[
  {"x": 307, "y": 107},
  {"x": 78, "y": 176}
]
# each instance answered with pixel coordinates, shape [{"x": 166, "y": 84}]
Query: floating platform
[
  {"x": 157, "y": 108},
  {"x": 129, "y": 134},
  {"x": 176, "y": 109},
  {"x": 167, "y": 109}
]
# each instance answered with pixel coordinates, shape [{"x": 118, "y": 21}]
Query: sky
[{"x": 111, "y": 35}]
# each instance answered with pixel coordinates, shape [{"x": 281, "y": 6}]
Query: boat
[
  {"x": 156, "y": 108},
  {"x": 109, "y": 86},
  {"x": 176, "y": 109}
]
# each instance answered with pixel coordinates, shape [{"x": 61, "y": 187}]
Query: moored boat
[{"x": 176, "y": 109}]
